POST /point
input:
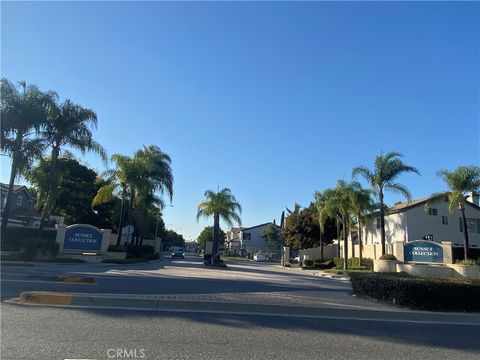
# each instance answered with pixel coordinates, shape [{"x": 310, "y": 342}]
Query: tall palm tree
[
  {"x": 69, "y": 125},
  {"x": 155, "y": 177},
  {"x": 328, "y": 209},
  {"x": 383, "y": 177},
  {"x": 460, "y": 182},
  {"x": 23, "y": 114},
  {"x": 343, "y": 202},
  {"x": 322, "y": 213},
  {"x": 222, "y": 205},
  {"x": 119, "y": 183},
  {"x": 361, "y": 204}
]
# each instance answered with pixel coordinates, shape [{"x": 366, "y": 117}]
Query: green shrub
[
  {"x": 418, "y": 293},
  {"x": 116, "y": 248},
  {"x": 16, "y": 234},
  {"x": 287, "y": 265},
  {"x": 367, "y": 263},
  {"x": 338, "y": 262},
  {"x": 352, "y": 263},
  {"x": 468, "y": 262},
  {"x": 30, "y": 247},
  {"x": 308, "y": 263},
  {"x": 388, "y": 257}
]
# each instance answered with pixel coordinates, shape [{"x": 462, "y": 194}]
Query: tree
[
  {"x": 460, "y": 182},
  {"x": 301, "y": 229},
  {"x": 78, "y": 186},
  {"x": 23, "y": 114},
  {"x": 271, "y": 235},
  {"x": 361, "y": 204},
  {"x": 222, "y": 205},
  {"x": 327, "y": 208},
  {"x": 119, "y": 183},
  {"x": 68, "y": 125},
  {"x": 207, "y": 235},
  {"x": 383, "y": 177}
]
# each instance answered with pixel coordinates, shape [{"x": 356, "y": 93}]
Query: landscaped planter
[
  {"x": 466, "y": 271},
  {"x": 385, "y": 265}
]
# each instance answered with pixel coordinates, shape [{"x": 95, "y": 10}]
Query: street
[{"x": 234, "y": 313}]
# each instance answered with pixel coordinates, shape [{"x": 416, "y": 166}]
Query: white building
[
  {"x": 249, "y": 240},
  {"x": 411, "y": 221}
]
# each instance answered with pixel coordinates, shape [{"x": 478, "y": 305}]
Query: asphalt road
[{"x": 38, "y": 332}]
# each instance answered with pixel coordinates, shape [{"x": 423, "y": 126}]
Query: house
[
  {"x": 22, "y": 205},
  {"x": 248, "y": 241},
  {"x": 413, "y": 221}
]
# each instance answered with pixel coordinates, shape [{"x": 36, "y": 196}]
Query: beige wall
[
  {"x": 329, "y": 252},
  {"x": 414, "y": 223}
]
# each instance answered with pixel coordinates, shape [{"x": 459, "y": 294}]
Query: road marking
[{"x": 232, "y": 312}]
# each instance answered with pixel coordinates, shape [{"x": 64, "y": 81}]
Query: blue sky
[{"x": 273, "y": 100}]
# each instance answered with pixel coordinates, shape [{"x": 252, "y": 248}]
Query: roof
[
  {"x": 410, "y": 204},
  {"x": 16, "y": 188},
  {"x": 253, "y": 227}
]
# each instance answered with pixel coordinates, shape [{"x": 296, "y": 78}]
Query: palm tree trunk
[
  {"x": 6, "y": 209},
  {"x": 321, "y": 245},
  {"x": 120, "y": 223},
  {"x": 49, "y": 201},
  {"x": 382, "y": 222},
  {"x": 216, "y": 233},
  {"x": 360, "y": 239},
  {"x": 345, "y": 242},
  {"x": 353, "y": 245},
  {"x": 466, "y": 243},
  {"x": 338, "y": 237}
]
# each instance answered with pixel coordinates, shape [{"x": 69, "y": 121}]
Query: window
[
  {"x": 379, "y": 223},
  {"x": 445, "y": 220},
  {"x": 19, "y": 200},
  {"x": 433, "y": 212},
  {"x": 246, "y": 236}
]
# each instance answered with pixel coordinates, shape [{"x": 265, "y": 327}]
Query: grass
[{"x": 347, "y": 272}]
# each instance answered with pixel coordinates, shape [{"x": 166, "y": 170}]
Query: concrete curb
[{"x": 110, "y": 301}]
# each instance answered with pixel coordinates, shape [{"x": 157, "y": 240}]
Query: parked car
[
  {"x": 178, "y": 254},
  {"x": 259, "y": 257}
]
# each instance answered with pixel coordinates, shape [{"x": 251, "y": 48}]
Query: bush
[
  {"x": 116, "y": 248},
  {"x": 367, "y": 263},
  {"x": 30, "y": 247},
  {"x": 418, "y": 293},
  {"x": 287, "y": 265},
  {"x": 388, "y": 257},
  {"x": 308, "y": 263},
  {"x": 468, "y": 262},
  {"x": 352, "y": 263}
]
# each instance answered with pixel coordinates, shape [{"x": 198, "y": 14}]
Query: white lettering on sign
[{"x": 424, "y": 250}]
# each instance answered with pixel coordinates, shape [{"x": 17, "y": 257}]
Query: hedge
[
  {"x": 354, "y": 263},
  {"x": 419, "y": 293},
  {"x": 16, "y": 235}
]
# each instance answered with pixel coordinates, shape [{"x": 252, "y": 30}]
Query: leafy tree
[
  {"x": 460, "y": 182},
  {"x": 68, "y": 125},
  {"x": 77, "y": 187},
  {"x": 207, "y": 235},
  {"x": 171, "y": 238},
  {"x": 271, "y": 235},
  {"x": 222, "y": 205},
  {"x": 23, "y": 114},
  {"x": 301, "y": 229},
  {"x": 383, "y": 177}
]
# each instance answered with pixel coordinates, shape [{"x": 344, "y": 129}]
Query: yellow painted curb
[
  {"x": 76, "y": 279},
  {"x": 45, "y": 298}
]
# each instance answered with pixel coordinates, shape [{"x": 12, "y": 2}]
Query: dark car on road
[{"x": 179, "y": 254}]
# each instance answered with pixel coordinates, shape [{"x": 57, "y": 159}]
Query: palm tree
[
  {"x": 155, "y": 177},
  {"x": 119, "y": 183},
  {"x": 460, "y": 182},
  {"x": 383, "y": 177},
  {"x": 23, "y": 114},
  {"x": 343, "y": 202},
  {"x": 222, "y": 205},
  {"x": 328, "y": 209},
  {"x": 361, "y": 203},
  {"x": 322, "y": 213},
  {"x": 68, "y": 125}
]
